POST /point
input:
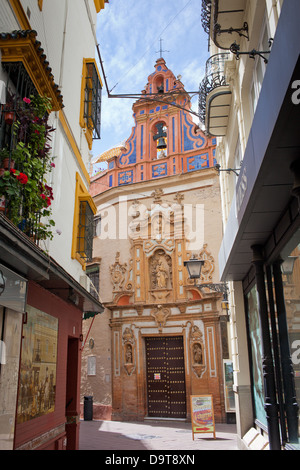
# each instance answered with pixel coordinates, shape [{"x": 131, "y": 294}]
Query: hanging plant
[{"x": 26, "y": 186}]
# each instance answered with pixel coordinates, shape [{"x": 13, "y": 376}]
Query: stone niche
[
  {"x": 160, "y": 275},
  {"x": 129, "y": 350}
]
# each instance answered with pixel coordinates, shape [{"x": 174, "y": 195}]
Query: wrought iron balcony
[
  {"x": 214, "y": 80},
  {"x": 224, "y": 21},
  {"x": 206, "y": 15}
]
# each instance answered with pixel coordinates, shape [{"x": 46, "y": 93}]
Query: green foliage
[{"x": 26, "y": 190}]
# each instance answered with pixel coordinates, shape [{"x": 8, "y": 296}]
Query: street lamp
[{"x": 194, "y": 267}]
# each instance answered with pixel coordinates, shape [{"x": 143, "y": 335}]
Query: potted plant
[
  {"x": 6, "y": 160},
  {"x": 9, "y": 111},
  {"x": 11, "y": 183}
]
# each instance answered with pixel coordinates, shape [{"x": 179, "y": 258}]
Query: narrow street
[{"x": 153, "y": 435}]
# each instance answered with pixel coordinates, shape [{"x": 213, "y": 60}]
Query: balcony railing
[
  {"x": 214, "y": 78},
  {"x": 206, "y": 15},
  {"x": 25, "y": 154}
]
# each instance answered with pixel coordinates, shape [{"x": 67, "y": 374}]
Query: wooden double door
[{"x": 165, "y": 377}]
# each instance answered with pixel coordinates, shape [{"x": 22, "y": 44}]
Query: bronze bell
[{"x": 161, "y": 143}]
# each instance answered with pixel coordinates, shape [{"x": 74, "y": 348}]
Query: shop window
[
  {"x": 258, "y": 393},
  {"x": 91, "y": 94},
  {"x": 291, "y": 285}
]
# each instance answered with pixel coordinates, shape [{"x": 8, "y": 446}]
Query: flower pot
[
  {"x": 8, "y": 165},
  {"x": 9, "y": 117}
]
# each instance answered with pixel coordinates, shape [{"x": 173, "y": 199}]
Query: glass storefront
[
  {"x": 291, "y": 284},
  {"x": 256, "y": 356}
]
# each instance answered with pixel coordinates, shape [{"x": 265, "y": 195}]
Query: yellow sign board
[{"x": 202, "y": 414}]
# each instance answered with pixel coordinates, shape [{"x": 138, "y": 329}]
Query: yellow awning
[{"x": 115, "y": 151}]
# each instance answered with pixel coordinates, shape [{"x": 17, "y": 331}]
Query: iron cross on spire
[{"x": 160, "y": 48}]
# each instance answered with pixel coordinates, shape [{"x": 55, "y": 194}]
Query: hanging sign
[{"x": 202, "y": 414}]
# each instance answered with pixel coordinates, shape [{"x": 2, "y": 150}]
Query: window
[
  {"x": 97, "y": 226},
  {"x": 91, "y": 93},
  {"x": 92, "y": 272},
  {"x": 260, "y": 68},
  {"x": 85, "y": 231},
  {"x": 91, "y": 365},
  {"x": 83, "y": 226}
]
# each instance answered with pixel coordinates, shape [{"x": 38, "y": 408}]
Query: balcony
[
  {"x": 224, "y": 21},
  {"x": 215, "y": 96},
  {"x": 25, "y": 154}
]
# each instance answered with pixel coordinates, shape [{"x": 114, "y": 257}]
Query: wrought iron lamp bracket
[
  {"x": 220, "y": 288},
  {"x": 228, "y": 170},
  {"x": 242, "y": 32},
  {"x": 235, "y": 49}
]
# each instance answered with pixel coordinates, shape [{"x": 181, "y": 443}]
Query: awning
[{"x": 114, "y": 151}]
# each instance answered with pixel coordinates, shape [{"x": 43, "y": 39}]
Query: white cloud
[{"x": 128, "y": 32}]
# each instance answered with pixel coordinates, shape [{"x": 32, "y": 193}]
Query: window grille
[
  {"x": 93, "y": 273},
  {"x": 92, "y": 100},
  {"x": 85, "y": 231},
  {"x": 97, "y": 226}
]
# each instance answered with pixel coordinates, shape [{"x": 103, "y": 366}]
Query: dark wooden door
[{"x": 165, "y": 377}]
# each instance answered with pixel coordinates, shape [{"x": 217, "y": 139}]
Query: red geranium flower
[
  {"x": 22, "y": 178},
  {"x": 27, "y": 100}
]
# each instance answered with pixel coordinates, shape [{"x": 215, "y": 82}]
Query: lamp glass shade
[
  {"x": 194, "y": 267},
  {"x": 288, "y": 265}
]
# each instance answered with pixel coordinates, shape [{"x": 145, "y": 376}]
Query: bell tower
[{"x": 164, "y": 141}]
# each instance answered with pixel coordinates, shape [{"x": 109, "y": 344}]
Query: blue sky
[{"x": 129, "y": 33}]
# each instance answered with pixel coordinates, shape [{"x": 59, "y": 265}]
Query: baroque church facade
[{"x": 161, "y": 338}]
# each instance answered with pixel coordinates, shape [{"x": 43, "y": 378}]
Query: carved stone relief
[
  {"x": 120, "y": 275},
  {"x": 160, "y": 315}
]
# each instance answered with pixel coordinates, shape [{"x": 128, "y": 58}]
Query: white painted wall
[{"x": 65, "y": 33}]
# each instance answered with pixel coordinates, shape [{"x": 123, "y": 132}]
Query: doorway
[
  {"x": 72, "y": 411},
  {"x": 165, "y": 377}
]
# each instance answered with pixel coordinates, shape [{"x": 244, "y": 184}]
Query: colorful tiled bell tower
[{"x": 164, "y": 140}]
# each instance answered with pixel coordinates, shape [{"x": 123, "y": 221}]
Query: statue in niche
[
  {"x": 128, "y": 348},
  {"x": 197, "y": 352},
  {"x": 161, "y": 270},
  {"x": 162, "y": 273},
  {"x": 128, "y": 355}
]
